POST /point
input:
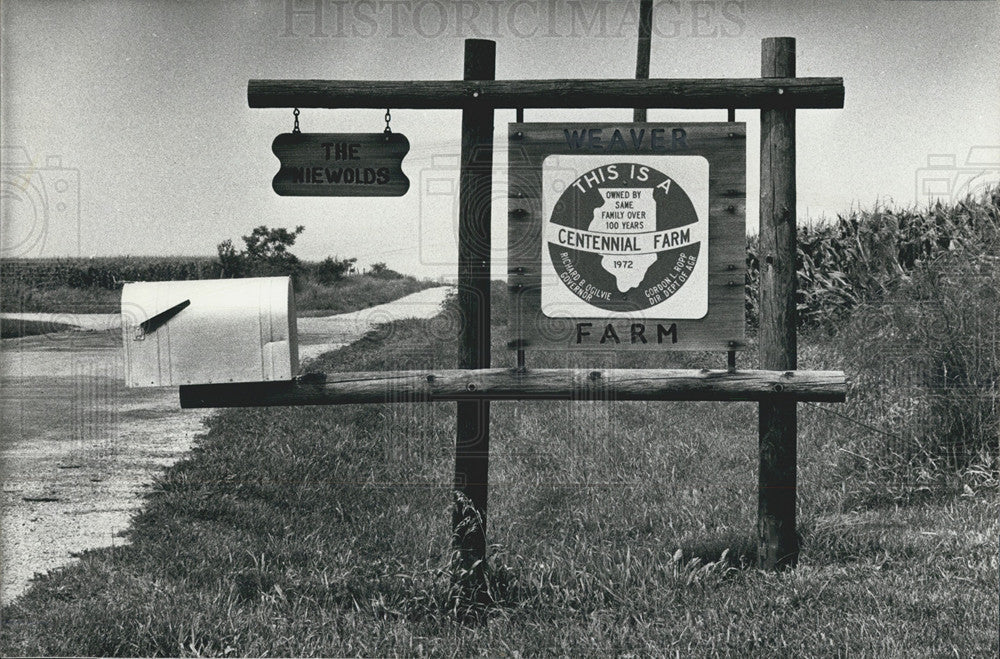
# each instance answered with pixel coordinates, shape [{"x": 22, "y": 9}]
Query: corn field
[
  {"x": 107, "y": 273},
  {"x": 866, "y": 256}
]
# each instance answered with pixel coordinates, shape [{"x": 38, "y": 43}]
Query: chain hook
[
  {"x": 295, "y": 128},
  {"x": 388, "y": 118}
]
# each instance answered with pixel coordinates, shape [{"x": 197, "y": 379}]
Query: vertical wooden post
[
  {"x": 777, "y": 540},
  {"x": 472, "y": 443},
  {"x": 642, "y": 50}
]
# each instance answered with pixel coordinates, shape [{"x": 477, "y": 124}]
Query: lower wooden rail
[{"x": 532, "y": 384}]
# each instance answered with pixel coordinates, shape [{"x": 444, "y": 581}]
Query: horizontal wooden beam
[
  {"x": 594, "y": 93},
  {"x": 532, "y": 384}
]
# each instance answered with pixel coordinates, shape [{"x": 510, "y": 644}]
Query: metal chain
[
  {"x": 295, "y": 128},
  {"x": 388, "y": 118}
]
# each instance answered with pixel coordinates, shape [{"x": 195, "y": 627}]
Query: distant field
[{"x": 94, "y": 285}]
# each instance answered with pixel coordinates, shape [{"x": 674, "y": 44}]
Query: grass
[
  {"x": 94, "y": 285},
  {"x": 15, "y": 329},
  {"x": 622, "y": 528},
  {"x": 60, "y": 299},
  {"x": 355, "y": 292},
  {"x": 619, "y": 528}
]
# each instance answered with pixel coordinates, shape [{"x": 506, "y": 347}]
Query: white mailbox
[{"x": 209, "y": 331}]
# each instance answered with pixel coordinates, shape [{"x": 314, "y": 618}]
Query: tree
[
  {"x": 231, "y": 262},
  {"x": 332, "y": 269},
  {"x": 266, "y": 252},
  {"x": 381, "y": 271}
]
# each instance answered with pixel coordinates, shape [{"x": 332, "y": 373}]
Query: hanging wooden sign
[
  {"x": 341, "y": 164},
  {"x": 627, "y": 236}
]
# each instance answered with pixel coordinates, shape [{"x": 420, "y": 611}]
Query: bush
[
  {"x": 331, "y": 270},
  {"x": 231, "y": 262},
  {"x": 382, "y": 271},
  {"x": 265, "y": 254}
]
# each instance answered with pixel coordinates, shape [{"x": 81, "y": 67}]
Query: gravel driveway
[{"x": 78, "y": 448}]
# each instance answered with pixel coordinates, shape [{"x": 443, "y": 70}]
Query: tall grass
[
  {"x": 82, "y": 285},
  {"x": 354, "y": 292},
  {"x": 909, "y": 302},
  {"x": 926, "y": 369},
  {"x": 106, "y": 272}
]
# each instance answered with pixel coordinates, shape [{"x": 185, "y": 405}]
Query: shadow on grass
[{"x": 17, "y": 328}]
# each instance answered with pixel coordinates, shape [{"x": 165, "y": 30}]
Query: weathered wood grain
[
  {"x": 584, "y": 93},
  {"x": 529, "y": 384},
  {"x": 777, "y": 540},
  {"x": 341, "y": 164}
]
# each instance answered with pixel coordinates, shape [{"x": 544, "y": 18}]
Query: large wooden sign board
[{"x": 627, "y": 236}]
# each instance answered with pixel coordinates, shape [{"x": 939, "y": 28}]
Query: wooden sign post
[
  {"x": 472, "y": 440},
  {"x": 777, "y": 387},
  {"x": 643, "y": 46},
  {"x": 777, "y": 539}
]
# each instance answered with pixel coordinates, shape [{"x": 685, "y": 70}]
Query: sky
[{"x": 126, "y": 130}]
